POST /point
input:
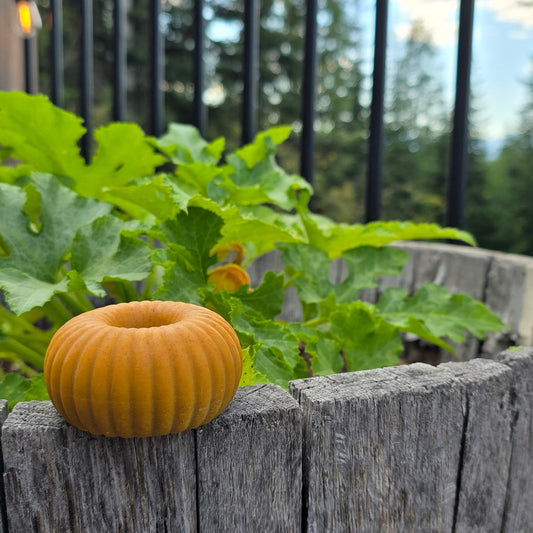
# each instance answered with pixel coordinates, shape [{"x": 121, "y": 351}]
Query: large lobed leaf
[
  {"x": 40, "y": 134},
  {"x": 72, "y": 229},
  {"x": 441, "y": 313},
  {"x": 335, "y": 239}
]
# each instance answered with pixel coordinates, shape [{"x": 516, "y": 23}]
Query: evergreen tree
[
  {"x": 417, "y": 135},
  {"x": 510, "y": 188}
]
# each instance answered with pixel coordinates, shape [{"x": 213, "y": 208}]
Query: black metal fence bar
[
  {"x": 377, "y": 134},
  {"x": 56, "y": 53},
  {"x": 459, "y": 143},
  {"x": 200, "y": 114},
  {"x": 157, "y": 58},
  {"x": 250, "y": 70},
  {"x": 309, "y": 92},
  {"x": 87, "y": 75},
  {"x": 459, "y": 140},
  {"x": 30, "y": 70},
  {"x": 120, "y": 74}
]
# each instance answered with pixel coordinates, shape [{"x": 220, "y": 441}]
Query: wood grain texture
[
  {"x": 3, "y": 515},
  {"x": 414, "y": 448},
  {"x": 518, "y": 515},
  {"x": 249, "y": 464},
  {"x": 381, "y": 450},
  {"x": 486, "y": 444},
  {"x": 59, "y": 479}
]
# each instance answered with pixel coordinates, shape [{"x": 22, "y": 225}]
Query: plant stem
[
  {"x": 317, "y": 321},
  {"x": 57, "y": 312},
  {"x": 130, "y": 294},
  {"x": 75, "y": 302},
  {"x": 19, "y": 363},
  {"x": 27, "y": 355},
  {"x": 21, "y": 327}
]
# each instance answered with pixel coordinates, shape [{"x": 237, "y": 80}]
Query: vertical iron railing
[
  {"x": 250, "y": 70},
  {"x": 200, "y": 114},
  {"x": 307, "y": 150},
  {"x": 56, "y": 53},
  {"x": 87, "y": 75},
  {"x": 30, "y": 66},
  {"x": 120, "y": 75},
  {"x": 157, "y": 60},
  {"x": 377, "y": 111},
  {"x": 459, "y": 141}
]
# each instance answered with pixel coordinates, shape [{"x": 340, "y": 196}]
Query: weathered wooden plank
[
  {"x": 408, "y": 449},
  {"x": 249, "y": 464},
  {"x": 3, "y": 515},
  {"x": 518, "y": 515},
  {"x": 486, "y": 444},
  {"x": 508, "y": 294},
  {"x": 381, "y": 449},
  {"x": 58, "y": 478}
]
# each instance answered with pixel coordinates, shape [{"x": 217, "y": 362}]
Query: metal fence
[{"x": 250, "y": 73}]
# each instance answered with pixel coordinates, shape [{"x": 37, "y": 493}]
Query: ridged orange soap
[{"x": 142, "y": 369}]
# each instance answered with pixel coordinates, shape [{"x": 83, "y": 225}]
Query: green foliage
[{"x": 118, "y": 228}]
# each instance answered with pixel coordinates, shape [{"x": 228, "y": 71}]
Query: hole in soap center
[{"x": 147, "y": 318}]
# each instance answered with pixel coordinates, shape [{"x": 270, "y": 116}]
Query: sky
[{"x": 502, "y": 54}]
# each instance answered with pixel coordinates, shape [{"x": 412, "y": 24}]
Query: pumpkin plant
[{"x": 177, "y": 219}]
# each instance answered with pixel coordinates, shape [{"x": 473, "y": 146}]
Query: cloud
[
  {"x": 519, "y": 12},
  {"x": 440, "y": 17}
]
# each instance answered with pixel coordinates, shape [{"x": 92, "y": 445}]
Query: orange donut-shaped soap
[{"x": 142, "y": 369}]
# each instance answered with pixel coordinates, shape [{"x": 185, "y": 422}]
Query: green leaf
[
  {"x": 263, "y": 143},
  {"x": 30, "y": 272},
  {"x": 155, "y": 195},
  {"x": 37, "y": 389},
  {"x": 197, "y": 175},
  {"x": 267, "y": 298},
  {"x": 123, "y": 153},
  {"x": 324, "y": 351},
  {"x": 278, "y": 354},
  {"x": 308, "y": 268},
  {"x": 364, "y": 265},
  {"x": 260, "y": 228},
  {"x": 442, "y": 314},
  {"x": 13, "y": 388},
  {"x": 252, "y": 176},
  {"x": 365, "y": 338},
  {"x": 336, "y": 238},
  {"x": 40, "y": 134},
  {"x": 184, "y": 144},
  {"x": 23, "y": 291},
  {"x": 101, "y": 251},
  {"x": 190, "y": 238},
  {"x": 250, "y": 376}
]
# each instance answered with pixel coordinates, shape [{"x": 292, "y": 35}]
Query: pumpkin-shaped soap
[{"x": 143, "y": 368}]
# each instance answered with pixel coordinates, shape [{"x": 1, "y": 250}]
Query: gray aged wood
[
  {"x": 381, "y": 450},
  {"x": 509, "y": 291},
  {"x": 249, "y": 465},
  {"x": 3, "y": 516},
  {"x": 518, "y": 516},
  {"x": 59, "y": 479},
  {"x": 486, "y": 444},
  {"x": 413, "y": 448}
]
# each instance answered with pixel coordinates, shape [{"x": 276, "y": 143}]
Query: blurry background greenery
[{"x": 418, "y": 120}]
